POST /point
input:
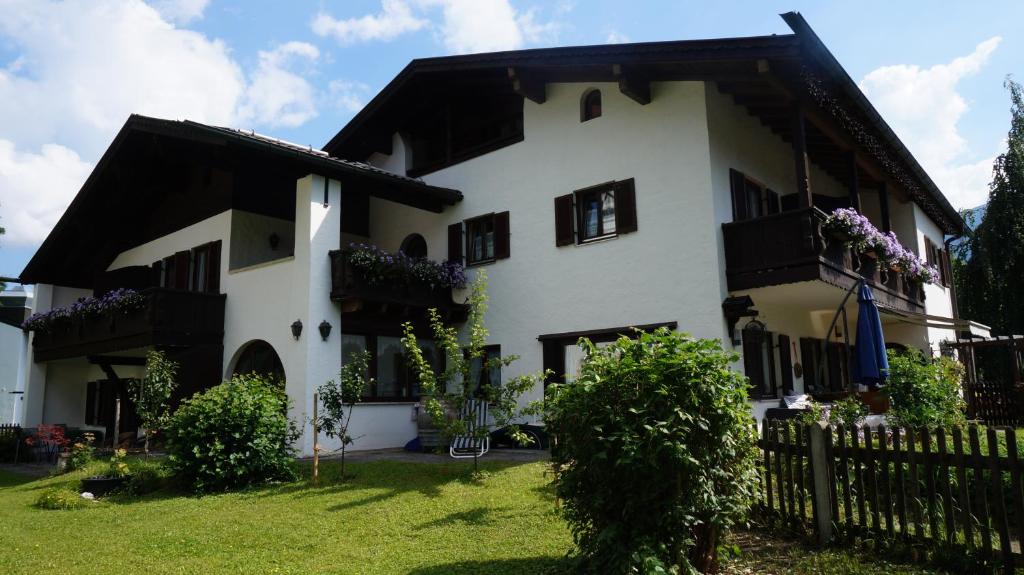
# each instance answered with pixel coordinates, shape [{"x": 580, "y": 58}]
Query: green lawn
[{"x": 394, "y": 517}]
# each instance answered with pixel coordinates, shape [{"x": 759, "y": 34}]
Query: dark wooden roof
[
  {"x": 159, "y": 176},
  {"x": 768, "y": 75}
]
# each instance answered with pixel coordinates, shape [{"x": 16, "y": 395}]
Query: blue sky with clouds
[{"x": 71, "y": 72}]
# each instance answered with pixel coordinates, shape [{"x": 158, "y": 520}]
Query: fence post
[{"x": 820, "y": 465}]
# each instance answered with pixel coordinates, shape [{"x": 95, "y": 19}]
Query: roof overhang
[
  {"x": 149, "y": 163},
  {"x": 797, "y": 63}
]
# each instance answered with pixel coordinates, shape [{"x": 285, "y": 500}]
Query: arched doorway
[{"x": 260, "y": 358}]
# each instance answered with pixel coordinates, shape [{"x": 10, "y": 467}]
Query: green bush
[
  {"x": 81, "y": 453},
  {"x": 654, "y": 453},
  {"x": 849, "y": 411},
  {"x": 231, "y": 436},
  {"x": 147, "y": 476},
  {"x": 924, "y": 392},
  {"x": 59, "y": 499}
]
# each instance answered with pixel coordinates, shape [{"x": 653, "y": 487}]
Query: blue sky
[{"x": 71, "y": 72}]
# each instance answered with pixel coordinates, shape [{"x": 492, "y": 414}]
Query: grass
[{"x": 394, "y": 517}]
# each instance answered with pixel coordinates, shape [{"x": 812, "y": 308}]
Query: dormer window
[{"x": 590, "y": 106}]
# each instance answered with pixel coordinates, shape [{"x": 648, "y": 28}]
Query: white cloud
[
  {"x": 616, "y": 37},
  {"x": 180, "y": 11},
  {"x": 924, "y": 108},
  {"x": 277, "y": 96},
  {"x": 347, "y": 96},
  {"x": 394, "y": 20},
  {"x": 80, "y": 68},
  {"x": 35, "y": 189},
  {"x": 465, "y": 26}
]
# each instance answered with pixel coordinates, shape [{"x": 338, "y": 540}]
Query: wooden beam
[
  {"x": 883, "y": 202},
  {"x": 851, "y": 159},
  {"x": 634, "y": 86},
  {"x": 803, "y": 182},
  {"x": 527, "y": 85}
]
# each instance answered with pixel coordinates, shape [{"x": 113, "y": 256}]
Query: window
[
  {"x": 414, "y": 246},
  {"x": 940, "y": 259},
  {"x": 825, "y": 369},
  {"x": 480, "y": 240},
  {"x": 590, "y": 105},
  {"x": 260, "y": 358},
  {"x": 486, "y": 239},
  {"x": 750, "y": 198},
  {"x": 486, "y": 377},
  {"x": 759, "y": 361},
  {"x": 394, "y": 380},
  {"x": 197, "y": 269},
  {"x": 601, "y": 211}
]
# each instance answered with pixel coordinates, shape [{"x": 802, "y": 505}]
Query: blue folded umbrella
[{"x": 870, "y": 363}]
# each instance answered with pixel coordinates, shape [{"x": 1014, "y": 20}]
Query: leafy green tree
[
  {"x": 152, "y": 394},
  {"x": 924, "y": 392},
  {"x": 445, "y": 394},
  {"x": 340, "y": 397},
  {"x": 653, "y": 452},
  {"x": 991, "y": 260}
]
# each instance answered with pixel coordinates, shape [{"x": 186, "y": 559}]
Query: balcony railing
[
  {"x": 172, "y": 318},
  {"x": 789, "y": 247},
  {"x": 353, "y": 289}
]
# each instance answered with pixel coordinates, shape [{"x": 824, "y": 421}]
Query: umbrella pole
[{"x": 846, "y": 331}]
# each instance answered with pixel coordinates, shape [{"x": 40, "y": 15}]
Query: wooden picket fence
[
  {"x": 928, "y": 487},
  {"x": 993, "y": 402}
]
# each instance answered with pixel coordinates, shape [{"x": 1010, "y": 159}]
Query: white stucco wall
[{"x": 250, "y": 239}]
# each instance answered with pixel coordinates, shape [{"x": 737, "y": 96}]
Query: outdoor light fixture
[
  {"x": 325, "y": 329},
  {"x": 297, "y": 328},
  {"x": 275, "y": 240},
  {"x": 734, "y": 308}
]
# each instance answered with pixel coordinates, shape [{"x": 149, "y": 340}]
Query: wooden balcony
[
  {"x": 170, "y": 318},
  {"x": 387, "y": 301},
  {"x": 790, "y": 247}
]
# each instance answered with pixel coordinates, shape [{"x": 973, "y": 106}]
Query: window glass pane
[
  {"x": 608, "y": 212},
  {"x": 199, "y": 271},
  {"x": 391, "y": 372},
  {"x": 481, "y": 239},
  {"x": 591, "y": 212}
]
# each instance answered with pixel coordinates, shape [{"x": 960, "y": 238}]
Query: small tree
[
  {"x": 924, "y": 392},
  {"x": 653, "y": 453},
  {"x": 153, "y": 392},
  {"x": 340, "y": 397},
  {"x": 446, "y": 393}
]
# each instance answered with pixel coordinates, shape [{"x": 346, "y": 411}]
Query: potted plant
[{"x": 117, "y": 475}]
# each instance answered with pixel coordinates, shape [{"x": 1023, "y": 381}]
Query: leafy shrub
[
  {"x": 850, "y": 411},
  {"x": 152, "y": 393},
  {"x": 81, "y": 453},
  {"x": 924, "y": 392},
  {"x": 118, "y": 467},
  {"x": 60, "y": 499},
  {"x": 654, "y": 453},
  {"x": 231, "y": 436},
  {"x": 147, "y": 476}
]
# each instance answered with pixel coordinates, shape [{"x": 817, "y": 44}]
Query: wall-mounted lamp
[
  {"x": 275, "y": 240},
  {"x": 325, "y": 329},
  {"x": 734, "y": 308},
  {"x": 297, "y": 328}
]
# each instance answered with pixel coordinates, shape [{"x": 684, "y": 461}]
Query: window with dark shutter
[
  {"x": 809, "y": 359},
  {"x": 945, "y": 268},
  {"x": 158, "y": 273},
  {"x": 563, "y": 221},
  {"x": 739, "y": 196},
  {"x": 213, "y": 268},
  {"x": 455, "y": 242},
  {"x": 182, "y": 263},
  {"x": 502, "y": 247},
  {"x": 785, "y": 364},
  {"x": 750, "y": 198},
  {"x": 625, "y": 207},
  {"x": 480, "y": 240},
  {"x": 759, "y": 362}
]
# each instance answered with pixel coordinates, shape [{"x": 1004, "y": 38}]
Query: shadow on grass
[
  {"x": 479, "y": 516},
  {"x": 13, "y": 479},
  {"x": 530, "y": 565}
]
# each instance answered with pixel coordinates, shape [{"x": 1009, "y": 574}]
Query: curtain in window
[{"x": 608, "y": 212}]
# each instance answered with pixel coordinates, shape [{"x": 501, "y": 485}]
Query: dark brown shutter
[
  {"x": 455, "y": 242},
  {"x": 181, "y": 269},
  {"x": 737, "y": 182},
  {"x": 157, "y": 267},
  {"x": 501, "y": 236},
  {"x": 836, "y": 366},
  {"x": 808, "y": 358},
  {"x": 213, "y": 268},
  {"x": 625, "y": 207},
  {"x": 772, "y": 201},
  {"x": 945, "y": 268},
  {"x": 785, "y": 364},
  {"x": 563, "y": 221},
  {"x": 929, "y": 252},
  {"x": 753, "y": 365}
]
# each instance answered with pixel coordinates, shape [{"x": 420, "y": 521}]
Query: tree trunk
[{"x": 704, "y": 555}]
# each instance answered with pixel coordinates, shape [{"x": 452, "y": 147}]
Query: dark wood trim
[
  {"x": 854, "y": 181},
  {"x": 462, "y": 156},
  {"x": 606, "y": 334},
  {"x": 527, "y": 85},
  {"x": 564, "y": 218},
  {"x": 115, "y": 360},
  {"x": 883, "y": 204},
  {"x": 803, "y": 182},
  {"x": 632, "y": 85}
]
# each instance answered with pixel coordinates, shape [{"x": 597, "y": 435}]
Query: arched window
[
  {"x": 590, "y": 105},
  {"x": 260, "y": 358},
  {"x": 414, "y": 246}
]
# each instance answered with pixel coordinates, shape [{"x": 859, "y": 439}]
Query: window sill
[
  {"x": 598, "y": 239},
  {"x": 480, "y": 263}
]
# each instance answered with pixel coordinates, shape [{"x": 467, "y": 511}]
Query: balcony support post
[
  {"x": 854, "y": 183},
  {"x": 803, "y": 183},
  {"x": 883, "y": 202}
]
